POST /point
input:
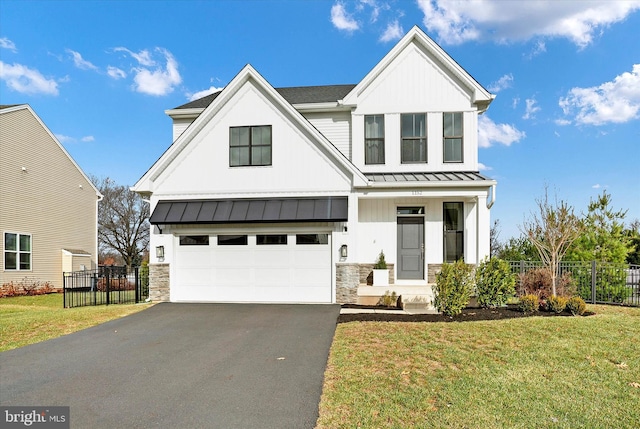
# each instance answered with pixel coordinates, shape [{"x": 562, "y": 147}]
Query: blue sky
[{"x": 100, "y": 74}]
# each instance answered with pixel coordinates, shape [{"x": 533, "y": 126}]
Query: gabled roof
[
  {"x": 293, "y": 95},
  {"x": 4, "y": 109},
  {"x": 248, "y": 73},
  {"x": 481, "y": 97}
]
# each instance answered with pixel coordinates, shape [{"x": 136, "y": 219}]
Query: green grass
[
  {"x": 561, "y": 372},
  {"x": 30, "y": 319}
]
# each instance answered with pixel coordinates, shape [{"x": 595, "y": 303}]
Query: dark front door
[{"x": 411, "y": 248}]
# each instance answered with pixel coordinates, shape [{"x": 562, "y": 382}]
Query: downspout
[
  {"x": 493, "y": 197},
  {"x": 100, "y": 198}
]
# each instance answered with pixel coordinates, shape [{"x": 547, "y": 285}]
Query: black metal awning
[{"x": 326, "y": 209}]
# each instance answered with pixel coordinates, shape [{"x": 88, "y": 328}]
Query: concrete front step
[{"x": 412, "y": 298}]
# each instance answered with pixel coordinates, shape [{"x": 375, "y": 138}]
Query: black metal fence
[
  {"x": 596, "y": 282},
  {"x": 106, "y": 285}
]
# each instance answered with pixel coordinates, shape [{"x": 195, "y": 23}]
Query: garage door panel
[{"x": 253, "y": 273}]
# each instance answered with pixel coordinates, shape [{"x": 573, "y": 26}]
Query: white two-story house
[{"x": 290, "y": 194}]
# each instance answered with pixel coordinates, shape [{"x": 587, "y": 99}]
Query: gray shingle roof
[{"x": 294, "y": 95}]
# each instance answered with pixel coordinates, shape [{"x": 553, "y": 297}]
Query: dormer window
[
  {"x": 374, "y": 139},
  {"x": 250, "y": 146},
  {"x": 414, "y": 137},
  {"x": 452, "y": 136}
]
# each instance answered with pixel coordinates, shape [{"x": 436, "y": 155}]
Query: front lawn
[
  {"x": 30, "y": 319},
  {"x": 560, "y": 372}
]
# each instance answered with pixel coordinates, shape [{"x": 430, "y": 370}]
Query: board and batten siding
[
  {"x": 50, "y": 199},
  {"x": 336, "y": 127}
]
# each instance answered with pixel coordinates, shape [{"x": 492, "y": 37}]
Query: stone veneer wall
[
  {"x": 432, "y": 270},
  {"x": 159, "y": 282},
  {"x": 347, "y": 282}
]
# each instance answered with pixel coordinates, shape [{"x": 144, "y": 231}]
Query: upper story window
[
  {"x": 250, "y": 146},
  {"x": 17, "y": 251},
  {"x": 374, "y": 139},
  {"x": 414, "y": 137},
  {"x": 452, "y": 136}
]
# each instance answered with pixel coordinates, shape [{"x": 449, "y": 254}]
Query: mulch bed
[{"x": 467, "y": 315}]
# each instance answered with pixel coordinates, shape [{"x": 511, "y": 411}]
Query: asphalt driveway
[{"x": 182, "y": 366}]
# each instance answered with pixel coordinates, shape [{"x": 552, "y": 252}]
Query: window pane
[
  {"x": 232, "y": 240},
  {"x": 457, "y": 124},
  {"x": 261, "y": 155},
  {"x": 239, "y": 136},
  {"x": 453, "y": 150},
  {"x": 25, "y": 243},
  {"x": 448, "y": 124},
  {"x": 374, "y": 126},
  {"x": 271, "y": 239},
  {"x": 374, "y": 152},
  {"x": 194, "y": 240},
  {"x": 413, "y": 125},
  {"x": 454, "y": 231},
  {"x": 414, "y": 150},
  {"x": 312, "y": 238},
  {"x": 452, "y": 215},
  {"x": 10, "y": 261},
  {"x": 261, "y": 135},
  {"x": 25, "y": 261},
  {"x": 239, "y": 156},
  {"x": 410, "y": 210},
  {"x": 10, "y": 241}
]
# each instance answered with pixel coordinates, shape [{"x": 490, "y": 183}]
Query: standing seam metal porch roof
[
  {"x": 327, "y": 209},
  {"x": 444, "y": 176}
]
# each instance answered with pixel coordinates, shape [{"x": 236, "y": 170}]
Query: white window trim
[{"x": 17, "y": 251}]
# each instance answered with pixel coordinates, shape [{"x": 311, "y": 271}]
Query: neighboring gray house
[{"x": 48, "y": 206}]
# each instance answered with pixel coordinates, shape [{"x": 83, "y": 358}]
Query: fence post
[
  {"x": 136, "y": 269},
  {"x": 593, "y": 282},
  {"x": 107, "y": 273}
]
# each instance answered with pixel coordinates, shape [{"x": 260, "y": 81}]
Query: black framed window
[
  {"x": 232, "y": 240},
  {"x": 271, "y": 239},
  {"x": 194, "y": 240},
  {"x": 414, "y": 137},
  {"x": 453, "y": 217},
  {"x": 374, "y": 139},
  {"x": 453, "y": 135},
  {"x": 17, "y": 251},
  {"x": 250, "y": 146},
  {"x": 312, "y": 238}
]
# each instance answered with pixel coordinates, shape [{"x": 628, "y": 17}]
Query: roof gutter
[{"x": 493, "y": 196}]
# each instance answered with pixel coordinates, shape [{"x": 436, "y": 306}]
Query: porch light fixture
[
  {"x": 343, "y": 251},
  {"x": 160, "y": 252}
]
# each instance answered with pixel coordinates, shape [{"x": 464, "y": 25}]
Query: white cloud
[
  {"x": 80, "y": 62},
  {"x": 143, "y": 57},
  {"x": 562, "y": 122},
  {"x": 483, "y": 167},
  {"x": 87, "y": 139},
  {"x": 456, "y": 22},
  {"x": 64, "y": 139},
  {"x": 596, "y": 186},
  {"x": 539, "y": 48},
  {"x": 150, "y": 76},
  {"x": 532, "y": 109},
  {"x": 489, "y": 132},
  {"x": 25, "y": 80},
  {"x": 616, "y": 101},
  {"x": 394, "y": 31},
  {"x": 203, "y": 93},
  {"x": 341, "y": 19},
  {"x": 116, "y": 73},
  {"x": 5, "y": 43},
  {"x": 503, "y": 83}
]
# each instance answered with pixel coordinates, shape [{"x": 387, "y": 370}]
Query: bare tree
[
  {"x": 552, "y": 230},
  {"x": 123, "y": 221}
]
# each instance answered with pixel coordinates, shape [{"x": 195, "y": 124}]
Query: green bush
[
  {"x": 576, "y": 306},
  {"x": 495, "y": 283},
  {"x": 387, "y": 300},
  {"x": 453, "y": 288},
  {"x": 556, "y": 304},
  {"x": 381, "y": 263},
  {"x": 528, "y": 303}
]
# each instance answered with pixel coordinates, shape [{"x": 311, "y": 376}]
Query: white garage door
[{"x": 252, "y": 268}]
